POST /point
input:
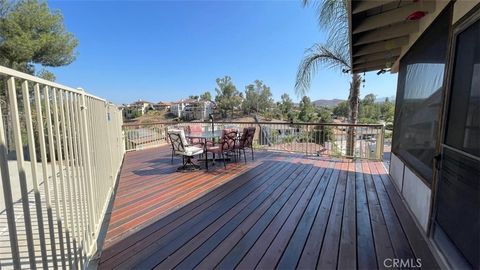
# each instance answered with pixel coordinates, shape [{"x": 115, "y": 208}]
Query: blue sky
[{"x": 164, "y": 51}]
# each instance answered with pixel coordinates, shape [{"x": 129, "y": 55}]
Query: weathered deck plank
[{"x": 281, "y": 210}]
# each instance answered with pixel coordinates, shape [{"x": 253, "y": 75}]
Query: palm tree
[{"x": 334, "y": 54}]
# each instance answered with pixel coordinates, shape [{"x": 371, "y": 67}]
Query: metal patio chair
[{"x": 181, "y": 147}]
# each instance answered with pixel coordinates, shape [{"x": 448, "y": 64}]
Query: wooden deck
[{"x": 282, "y": 210}]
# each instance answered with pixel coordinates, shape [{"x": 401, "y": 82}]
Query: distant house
[
  {"x": 198, "y": 110},
  {"x": 139, "y": 107},
  {"x": 162, "y": 106},
  {"x": 178, "y": 107},
  {"x": 143, "y": 106}
]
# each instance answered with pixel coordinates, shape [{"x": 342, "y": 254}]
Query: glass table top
[{"x": 205, "y": 134}]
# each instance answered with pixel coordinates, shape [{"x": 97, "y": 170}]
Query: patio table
[{"x": 205, "y": 136}]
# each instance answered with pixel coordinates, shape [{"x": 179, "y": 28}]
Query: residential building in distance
[
  {"x": 178, "y": 107},
  {"x": 138, "y": 108},
  {"x": 186, "y": 109},
  {"x": 198, "y": 110},
  {"x": 162, "y": 106}
]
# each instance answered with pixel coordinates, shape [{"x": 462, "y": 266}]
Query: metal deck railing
[
  {"x": 60, "y": 152},
  {"x": 318, "y": 139}
]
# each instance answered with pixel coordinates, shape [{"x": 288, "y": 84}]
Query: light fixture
[{"x": 381, "y": 71}]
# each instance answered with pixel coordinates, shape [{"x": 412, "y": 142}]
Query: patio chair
[
  {"x": 199, "y": 142},
  {"x": 180, "y": 147},
  {"x": 232, "y": 126},
  {"x": 167, "y": 131},
  {"x": 226, "y": 145},
  {"x": 246, "y": 141},
  {"x": 167, "y": 138},
  {"x": 195, "y": 129}
]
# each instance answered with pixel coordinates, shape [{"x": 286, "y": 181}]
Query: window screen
[
  {"x": 419, "y": 97},
  {"x": 463, "y": 128}
]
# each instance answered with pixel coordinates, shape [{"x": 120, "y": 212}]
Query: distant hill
[
  {"x": 382, "y": 99},
  {"x": 327, "y": 102}
]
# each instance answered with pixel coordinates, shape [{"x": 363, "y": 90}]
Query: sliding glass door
[{"x": 456, "y": 224}]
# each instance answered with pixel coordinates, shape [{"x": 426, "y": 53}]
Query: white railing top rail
[{"x": 31, "y": 78}]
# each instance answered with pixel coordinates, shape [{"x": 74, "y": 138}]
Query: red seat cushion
[{"x": 214, "y": 149}]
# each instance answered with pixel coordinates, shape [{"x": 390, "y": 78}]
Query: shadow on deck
[{"x": 281, "y": 210}]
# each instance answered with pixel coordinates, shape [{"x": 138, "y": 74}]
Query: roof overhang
[{"x": 380, "y": 31}]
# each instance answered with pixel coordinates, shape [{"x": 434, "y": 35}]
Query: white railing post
[
  {"x": 65, "y": 102},
  {"x": 108, "y": 120},
  {"x": 12, "y": 92},
  {"x": 46, "y": 180},
  {"x": 33, "y": 166},
  {"x": 63, "y": 177},
  {"x": 53, "y": 167},
  {"x": 88, "y": 167},
  {"x": 7, "y": 195}
]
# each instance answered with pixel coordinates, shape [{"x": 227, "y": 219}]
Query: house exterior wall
[
  {"x": 177, "y": 109},
  {"x": 417, "y": 194},
  {"x": 198, "y": 111},
  {"x": 397, "y": 168}
]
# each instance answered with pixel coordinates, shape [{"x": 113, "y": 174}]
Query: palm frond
[
  {"x": 332, "y": 17},
  {"x": 329, "y": 12},
  {"x": 319, "y": 54}
]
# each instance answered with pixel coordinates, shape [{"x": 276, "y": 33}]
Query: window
[
  {"x": 463, "y": 128},
  {"x": 419, "y": 97}
]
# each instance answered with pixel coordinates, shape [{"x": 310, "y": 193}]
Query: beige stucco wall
[{"x": 461, "y": 7}]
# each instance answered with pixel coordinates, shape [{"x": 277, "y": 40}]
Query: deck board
[
  {"x": 347, "y": 253},
  {"x": 282, "y": 210}
]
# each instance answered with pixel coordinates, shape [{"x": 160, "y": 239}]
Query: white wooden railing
[{"x": 60, "y": 153}]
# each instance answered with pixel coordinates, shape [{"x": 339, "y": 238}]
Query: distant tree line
[
  {"x": 370, "y": 112},
  {"x": 257, "y": 99}
]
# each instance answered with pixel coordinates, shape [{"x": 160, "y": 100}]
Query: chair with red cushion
[
  {"x": 226, "y": 145},
  {"x": 246, "y": 141},
  {"x": 195, "y": 129}
]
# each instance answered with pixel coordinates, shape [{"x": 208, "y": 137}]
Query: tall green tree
[
  {"x": 369, "y": 99},
  {"x": 387, "y": 110},
  {"x": 258, "y": 98},
  {"x": 47, "y": 75},
  {"x": 341, "y": 109},
  {"x": 228, "y": 98},
  {"x": 30, "y": 33},
  {"x": 286, "y": 106},
  {"x": 324, "y": 114},
  {"x": 307, "y": 110},
  {"x": 206, "y": 96},
  {"x": 334, "y": 54}
]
